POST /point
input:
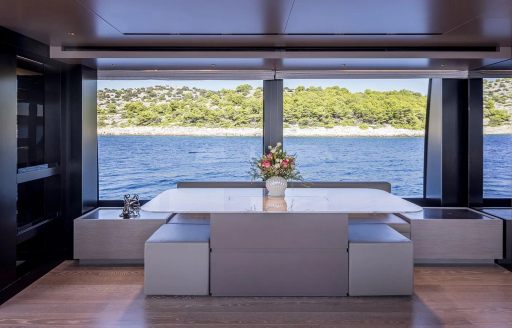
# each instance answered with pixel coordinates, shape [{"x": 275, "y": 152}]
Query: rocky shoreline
[{"x": 338, "y": 131}]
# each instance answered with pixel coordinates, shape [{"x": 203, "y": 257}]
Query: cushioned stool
[
  {"x": 176, "y": 260},
  {"x": 380, "y": 261}
]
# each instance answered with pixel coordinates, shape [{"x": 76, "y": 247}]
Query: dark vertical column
[
  {"x": 447, "y": 146},
  {"x": 272, "y": 113},
  {"x": 475, "y": 142},
  {"x": 80, "y": 157},
  {"x": 8, "y": 159},
  {"x": 54, "y": 187},
  {"x": 72, "y": 146},
  {"x": 455, "y": 108}
]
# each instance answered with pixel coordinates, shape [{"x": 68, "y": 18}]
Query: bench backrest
[{"x": 381, "y": 185}]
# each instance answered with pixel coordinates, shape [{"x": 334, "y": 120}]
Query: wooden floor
[{"x": 78, "y": 296}]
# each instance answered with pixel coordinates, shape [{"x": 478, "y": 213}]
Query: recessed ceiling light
[
  {"x": 443, "y": 65},
  {"x": 212, "y": 65},
  {"x": 71, "y": 33}
]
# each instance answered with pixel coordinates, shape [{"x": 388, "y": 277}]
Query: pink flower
[
  {"x": 285, "y": 163},
  {"x": 265, "y": 164},
  {"x": 269, "y": 156}
]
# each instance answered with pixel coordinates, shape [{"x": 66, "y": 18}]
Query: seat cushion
[
  {"x": 392, "y": 220},
  {"x": 181, "y": 233},
  {"x": 374, "y": 233},
  {"x": 191, "y": 218}
]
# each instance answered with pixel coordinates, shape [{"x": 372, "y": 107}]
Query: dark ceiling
[{"x": 437, "y": 34}]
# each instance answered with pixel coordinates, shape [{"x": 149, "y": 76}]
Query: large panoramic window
[
  {"x": 498, "y": 138},
  {"x": 153, "y": 134},
  {"x": 358, "y": 130}
]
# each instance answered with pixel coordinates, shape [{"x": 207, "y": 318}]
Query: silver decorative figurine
[{"x": 131, "y": 206}]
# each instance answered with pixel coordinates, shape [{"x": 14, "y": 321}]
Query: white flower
[
  {"x": 278, "y": 144},
  {"x": 272, "y": 151},
  {"x": 276, "y": 166}
]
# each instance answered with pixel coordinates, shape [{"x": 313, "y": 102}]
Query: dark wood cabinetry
[
  {"x": 41, "y": 158},
  {"x": 38, "y": 150},
  {"x": 48, "y": 158},
  {"x": 39, "y": 185}
]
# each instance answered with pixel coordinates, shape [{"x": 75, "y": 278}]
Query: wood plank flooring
[{"x": 88, "y": 296}]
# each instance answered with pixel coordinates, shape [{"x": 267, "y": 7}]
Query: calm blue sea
[{"x": 148, "y": 165}]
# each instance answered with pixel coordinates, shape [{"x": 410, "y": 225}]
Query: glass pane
[
  {"x": 153, "y": 134},
  {"x": 498, "y": 138},
  {"x": 358, "y": 130}
]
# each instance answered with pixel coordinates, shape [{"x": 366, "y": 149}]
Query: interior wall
[{"x": 80, "y": 145}]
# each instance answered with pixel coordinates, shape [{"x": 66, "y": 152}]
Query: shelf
[
  {"x": 32, "y": 230},
  {"x": 37, "y": 174}
]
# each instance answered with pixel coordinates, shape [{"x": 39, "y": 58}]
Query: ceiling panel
[
  {"x": 193, "y": 16},
  {"x": 495, "y": 65},
  {"x": 272, "y": 22},
  {"x": 484, "y": 29},
  {"x": 267, "y": 23},
  {"x": 54, "y": 21},
  {"x": 377, "y": 16}
]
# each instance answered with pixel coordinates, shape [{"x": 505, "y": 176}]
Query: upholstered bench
[
  {"x": 455, "y": 235},
  {"x": 392, "y": 220},
  {"x": 380, "y": 261},
  {"x": 190, "y": 218},
  {"x": 176, "y": 260}
]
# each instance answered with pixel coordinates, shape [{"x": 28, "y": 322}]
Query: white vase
[{"x": 276, "y": 186}]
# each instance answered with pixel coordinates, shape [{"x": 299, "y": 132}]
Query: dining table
[{"x": 296, "y": 245}]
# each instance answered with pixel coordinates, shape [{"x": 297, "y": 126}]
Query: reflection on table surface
[{"x": 296, "y": 200}]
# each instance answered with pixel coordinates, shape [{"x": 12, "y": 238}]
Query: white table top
[{"x": 297, "y": 200}]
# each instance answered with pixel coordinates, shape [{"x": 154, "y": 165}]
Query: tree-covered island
[{"x": 304, "y": 107}]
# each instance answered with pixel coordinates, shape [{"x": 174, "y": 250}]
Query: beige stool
[
  {"x": 176, "y": 260},
  {"x": 380, "y": 261}
]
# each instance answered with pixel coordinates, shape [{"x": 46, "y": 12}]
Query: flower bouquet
[{"x": 275, "y": 168}]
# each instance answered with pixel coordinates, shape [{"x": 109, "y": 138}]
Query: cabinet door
[
  {"x": 279, "y": 230},
  {"x": 279, "y": 272}
]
